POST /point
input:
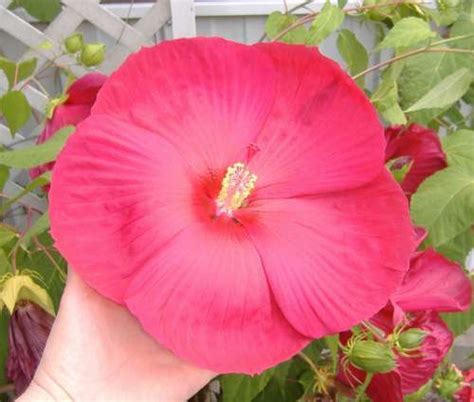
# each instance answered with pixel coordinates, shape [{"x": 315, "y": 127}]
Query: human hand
[{"x": 98, "y": 351}]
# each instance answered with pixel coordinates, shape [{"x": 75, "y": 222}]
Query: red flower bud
[{"x": 28, "y": 331}]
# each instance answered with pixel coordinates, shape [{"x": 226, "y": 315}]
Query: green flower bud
[
  {"x": 93, "y": 54},
  {"x": 74, "y": 42},
  {"x": 412, "y": 338},
  {"x": 372, "y": 357}
]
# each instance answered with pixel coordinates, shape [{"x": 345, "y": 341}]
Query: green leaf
[
  {"x": 278, "y": 22},
  {"x": 243, "y": 388},
  {"x": 32, "y": 185},
  {"x": 462, "y": 28},
  {"x": 326, "y": 22},
  {"x": 5, "y": 265},
  {"x": 460, "y": 322},
  {"x": 26, "y": 158},
  {"x": 459, "y": 147},
  {"x": 385, "y": 99},
  {"x": 22, "y": 287},
  {"x": 341, "y": 3},
  {"x": 16, "y": 110},
  {"x": 444, "y": 203},
  {"x": 458, "y": 248},
  {"x": 42, "y": 10},
  {"x": 18, "y": 71},
  {"x": 354, "y": 54},
  {"x": 7, "y": 233},
  {"x": 423, "y": 72},
  {"x": 406, "y": 33},
  {"x": 40, "y": 225},
  {"x": 446, "y": 92},
  {"x": 4, "y": 174}
]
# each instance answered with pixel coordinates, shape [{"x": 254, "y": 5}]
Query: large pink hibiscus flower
[{"x": 234, "y": 199}]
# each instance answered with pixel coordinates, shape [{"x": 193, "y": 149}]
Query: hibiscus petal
[
  {"x": 84, "y": 90},
  {"x": 418, "y": 369},
  {"x": 433, "y": 283},
  {"x": 322, "y": 133},
  {"x": 209, "y": 97},
  {"x": 205, "y": 297},
  {"x": 118, "y": 193},
  {"x": 333, "y": 261},
  {"x": 419, "y": 144}
]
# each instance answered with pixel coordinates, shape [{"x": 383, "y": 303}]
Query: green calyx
[
  {"x": 411, "y": 339},
  {"x": 371, "y": 356}
]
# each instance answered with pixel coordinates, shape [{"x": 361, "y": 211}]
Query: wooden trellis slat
[{"x": 128, "y": 38}]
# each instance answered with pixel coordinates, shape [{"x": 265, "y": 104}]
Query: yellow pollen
[{"x": 236, "y": 186}]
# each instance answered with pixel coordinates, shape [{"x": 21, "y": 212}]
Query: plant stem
[
  {"x": 312, "y": 15},
  {"x": 7, "y": 388},
  {"x": 361, "y": 390},
  {"x": 428, "y": 48},
  {"x": 309, "y": 361}
]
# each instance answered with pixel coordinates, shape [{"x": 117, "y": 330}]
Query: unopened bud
[
  {"x": 74, "y": 42},
  {"x": 412, "y": 338},
  {"x": 93, "y": 54},
  {"x": 372, "y": 357}
]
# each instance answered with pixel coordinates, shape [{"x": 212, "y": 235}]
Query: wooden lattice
[{"x": 127, "y": 38}]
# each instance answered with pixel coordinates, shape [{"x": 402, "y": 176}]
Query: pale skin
[{"x": 98, "y": 351}]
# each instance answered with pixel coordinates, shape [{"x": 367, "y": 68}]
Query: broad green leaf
[
  {"x": 444, "y": 203},
  {"x": 7, "y": 233},
  {"x": 385, "y": 99},
  {"x": 17, "y": 72},
  {"x": 4, "y": 319},
  {"x": 8, "y": 67},
  {"x": 278, "y": 22},
  {"x": 272, "y": 392},
  {"x": 458, "y": 248},
  {"x": 15, "y": 109},
  {"x": 5, "y": 265},
  {"x": 32, "y": 185},
  {"x": 460, "y": 322},
  {"x": 243, "y": 388},
  {"x": 26, "y": 158},
  {"x": 22, "y": 287},
  {"x": 423, "y": 72},
  {"x": 459, "y": 147},
  {"x": 40, "y": 225},
  {"x": 4, "y": 174},
  {"x": 42, "y": 10},
  {"x": 406, "y": 33},
  {"x": 326, "y": 22},
  {"x": 341, "y": 3},
  {"x": 463, "y": 28},
  {"x": 354, "y": 54},
  {"x": 446, "y": 92}
]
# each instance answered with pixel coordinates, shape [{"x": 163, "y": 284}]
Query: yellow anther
[{"x": 236, "y": 186}]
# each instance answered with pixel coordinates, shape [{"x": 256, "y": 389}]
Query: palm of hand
[{"x": 98, "y": 351}]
